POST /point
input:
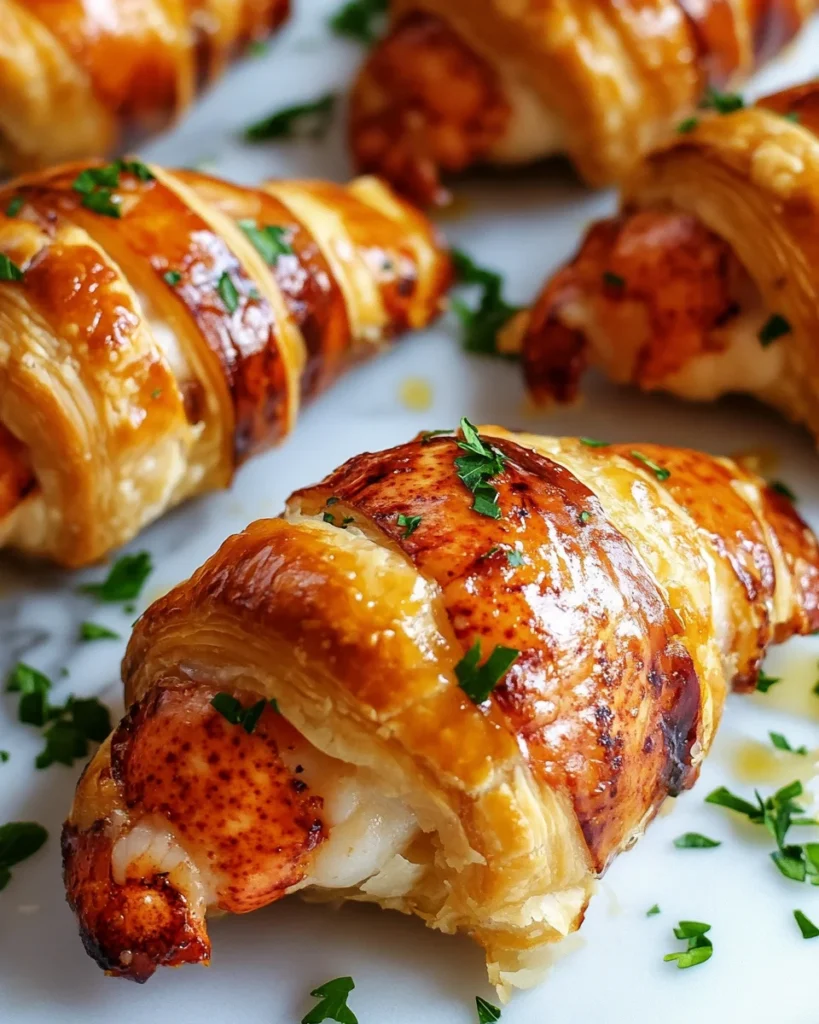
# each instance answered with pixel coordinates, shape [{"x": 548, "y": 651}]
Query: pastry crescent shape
[
  {"x": 159, "y": 327},
  {"x": 707, "y": 281},
  {"x": 76, "y": 76},
  {"x": 616, "y": 596},
  {"x": 460, "y": 82}
]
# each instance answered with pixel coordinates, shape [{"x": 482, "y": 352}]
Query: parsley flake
[
  {"x": 514, "y": 558},
  {"x": 228, "y": 293},
  {"x": 270, "y": 242},
  {"x": 778, "y": 487},
  {"x": 481, "y": 325},
  {"x": 699, "y": 949},
  {"x": 33, "y": 688},
  {"x": 302, "y": 120},
  {"x": 688, "y": 125},
  {"x": 234, "y": 711},
  {"x": 93, "y": 631},
  {"x": 765, "y": 682},
  {"x": 478, "y": 681},
  {"x": 172, "y": 277},
  {"x": 613, "y": 280},
  {"x": 409, "y": 523},
  {"x": 487, "y": 1012},
  {"x": 722, "y": 102},
  {"x": 477, "y": 467},
  {"x": 332, "y": 1003},
  {"x": 591, "y": 442},
  {"x": 653, "y": 911},
  {"x": 75, "y": 724},
  {"x": 125, "y": 580},
  {"x": 4, "y": 756},
  {"x": 781, "y": 743},
  {"x": 659, "y": 471},
  {"x": 806, "y": 926},
  {"x": 695, "y": 841},
  {"x": 9, "y": 271},
  {"x": 362, "y": 20},
  {"x": 585, "y": 516},
  {"x": 775, "y": 327},
  {"x": 427, "y": 435},
  {"x": 15, "y": 205},
  {"x": 19, "y": 840}
]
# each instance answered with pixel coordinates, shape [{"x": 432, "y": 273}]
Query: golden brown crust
[
  {"x": 701, "y": 307},
  {"x": 135, "y": 67},
  {"x": 457, "y": 83},
  {"x": 193, "y": 352},
  {"x": 634, "y": 582}
]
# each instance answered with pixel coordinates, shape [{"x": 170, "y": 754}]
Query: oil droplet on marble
[
  {"x": 757, "y": 763},
  {"x": 415, "y": 394}
]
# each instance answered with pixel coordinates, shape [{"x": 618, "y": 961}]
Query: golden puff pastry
[
  {"x": 619, "y": 592},
  {"x": 159, "y": 327},
  {"x": 77, "y": 75},
  {"x": 461, "y": 82},
  {"x": 708, "y": 280}
]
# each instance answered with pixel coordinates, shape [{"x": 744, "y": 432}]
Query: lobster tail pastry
[
  {"x": 454, "y": 713},
  {"x": 162, "y": 327},
  {"x": 77, "y": 77},
  {"x": 706, "y": 282},
  {"x": 458, "y": 82}
]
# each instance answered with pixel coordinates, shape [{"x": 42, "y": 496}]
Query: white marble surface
[{"x": 265, "y": 964}]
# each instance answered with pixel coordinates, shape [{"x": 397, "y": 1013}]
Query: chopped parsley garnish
[
  {"x": 4, "y": 756},
  {"x": 765, "y": 682},
  {"x": 232, "y": 709},
  {"x": 806, "y": 926},
  {"x": 71, "y": 727},
  {"x": 19, "y": 840},
  {"x": 409, "y": 523},
  {"x": 332, "y": 1003},
  {"x": 659, "y": 471},
  {"x": 172, "y": 277},
  {"x": 722, "y": 102},
  {"x": 332, "y": 501},
  {"x": 781, "y": 743},
  {"x": 487, "y": 1012},
  {"x": 362, "y": 20},
  {"x": 792, "y": 116},
  {"x": 478, "y": 681},
  {"x": 427, "y": 435},
  {"x": 778, "y": 814},
  {"x": 102, "y": 201},
  {"x": 328, "y": 517},
  {"x": 302, "y": 120},
  {"x": 75, "y": 724},
  {"x": 699, "y": 949},
  {"x": 156, "y": 393},
  {"x": 15, "y": 205},
  {"x": 514, "y": 558},
  {"x": 258, "y": 48},
  {"x": 591, "y": 442},
  {"x": 695, "y": 841},
  {"x": 482, "y": 324},
  {"x": 125, "y": 579},
  {"x": 93, "y": 631},
  {"x": 688, "y": 125},
  {"x": 33, "y": 688},
  {"x": 270, "y": 242},
  {"x": 476, "y": 469},
  {"x": 781, "y": 488},
  {"x": 9, "y": 271},
  {"x": 228, "y": 293},
  {"x": 613, "y": 280},
  {"x": 585, "y": 516},
  {"x": 653, "y": 911},
  {"x": 776, "y": 326}
]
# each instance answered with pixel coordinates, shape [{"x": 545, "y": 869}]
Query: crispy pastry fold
[
  {"x": 76, "y": 76},
  {"x": 708, "y": 280},
  {"x": 460, "y": 82},
  {"x": 635, "y": 583},
  {"x": 167, "y": 326}
]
